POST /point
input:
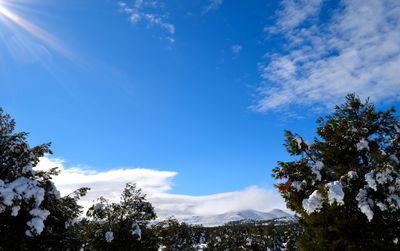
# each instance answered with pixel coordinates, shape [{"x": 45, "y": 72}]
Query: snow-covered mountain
[{"x": 221, "y": 219}]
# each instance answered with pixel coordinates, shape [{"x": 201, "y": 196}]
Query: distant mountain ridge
[{"x": 242, "y": 215}]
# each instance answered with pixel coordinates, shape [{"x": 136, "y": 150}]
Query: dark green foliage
[
  {"x": 121, "y": 219},
  {"x": 17, "y": 160},
  {"x": 255, "y": 236},
  {"x": 177, "y": 236},
  {"x": 359, "y": 149},
  {"x": 270, "y": 235}
]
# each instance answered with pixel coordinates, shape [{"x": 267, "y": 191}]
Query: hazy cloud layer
[
  {"x": 157, "y": 185},
  {"x": 213, "y": 5},
  {"x": 293, "y": 13},
  {"x": 356, "y": 49},
  {"x": 236, "y": 49},
  {"x": 249, "y": 198}
]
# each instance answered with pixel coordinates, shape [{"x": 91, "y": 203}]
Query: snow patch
[
  {"x": 335, "y": 192},
  {"x": 20, "y": 190},
  {"x": 352, "y": 175},
  {"x": 136, "y": 230},
  {"x": 36, "y": 224},
  {"x": 394, "y": 201},
  {"x": 15, "y": 210},
  {"x": 383, "y": 176},
  {"x": 381, "y": 206},
  {"x": 242, "y": 215},
  {"x": 297, "y": 185},
  {"x": 363, "y": 144},
  {"x": 364, "y": 204},
  {"x": 316, "y": 169},
  {"x": 109, "y": 236},
  {"x": 313, "y": 203},
  {"x": 299, "y": 141},
  {"x": 369, "y": 178}
]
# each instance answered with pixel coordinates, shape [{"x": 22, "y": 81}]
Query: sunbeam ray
[{"x": 37, "y": 32}]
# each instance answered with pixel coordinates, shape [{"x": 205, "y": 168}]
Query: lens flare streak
[{"x": 37, "y": 32}]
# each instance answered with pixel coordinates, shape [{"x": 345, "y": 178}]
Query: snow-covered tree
[
  {"x": 174, "y": 235},
  {"x": 252, "y": 236},
  {"x": 345, "y": 185},
  {"x": 123, "y": 225},
  {"x": 234, "y": 236},
  {"x": 32, "y": 212}
]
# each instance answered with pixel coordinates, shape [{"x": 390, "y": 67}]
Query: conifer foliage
[
  {"x": 268, "y": 235},
  {"x": 345, "y": 185},
  {"x": 123, "y": 225},
  {"x": 174, "y": 235},
  {"x": 32, "y": 212}
]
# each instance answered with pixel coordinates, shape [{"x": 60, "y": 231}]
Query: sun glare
[{"x": 42, "y": 35}]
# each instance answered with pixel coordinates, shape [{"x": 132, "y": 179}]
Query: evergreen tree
[
  {"x": 177, "y": 236},
  {"x": 345, "y": 185},
  {"x": 32, "y": 212},
  {"x": 252, "y": 236},
  {"x": 272, "y": 235},
  {"x": 121, "y": 226}
]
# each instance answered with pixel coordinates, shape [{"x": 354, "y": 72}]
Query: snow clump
[
  {"x": 313, "y": 203},
  {"x": 136, "y": 230},
  {"x": 364, "y": 204},
  {"x": 363, "y": 144},
  {"x": 109, "y": 236},
  {"x": 335, "y": 192},
  {"x": 36, "y": 223},
  {"x": 369, "y": 178},
  {"x": 316, "y": 169}
]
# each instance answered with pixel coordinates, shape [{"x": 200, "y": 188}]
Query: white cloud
[
  {"x": 213, "y": 5},
  {"x": 356, "y": 50},
  {"x": 236, "y": 49},
  {"x": 294, "y": 12},
  {"x": 157, "y": 185},
  {"x": 253, "y": 197},
  {"x": 150, "y": 13},
  {"x": 108, "y": 183}
]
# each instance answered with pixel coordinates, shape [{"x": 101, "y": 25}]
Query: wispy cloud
[
  {"x": 213, "y": 5},
  {"x": 150, "y": 13},
  {"x": 356, "y": 49},
  {"x": 293, "y": 13},
  {"x": 157, "y": 185},
  {"x": 236, "y": 48}
]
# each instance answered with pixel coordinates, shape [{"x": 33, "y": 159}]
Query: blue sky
[{"x": 203, "y": 89}]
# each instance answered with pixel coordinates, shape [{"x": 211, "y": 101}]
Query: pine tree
[
  {"x": 174, "y": 235},
  {"x": 345, "y": 185},
  {"x": 32, "y": 212},
  {"x": 123, "y": 225}
]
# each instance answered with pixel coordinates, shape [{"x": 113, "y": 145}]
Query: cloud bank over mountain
[{"x": 158, "y": 185}]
